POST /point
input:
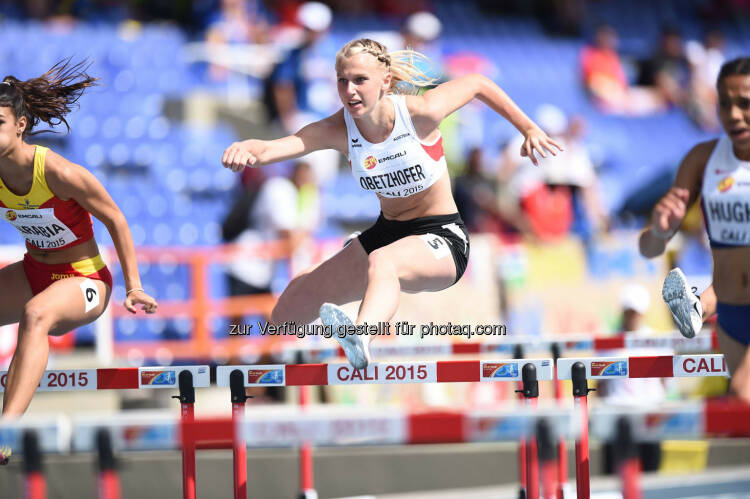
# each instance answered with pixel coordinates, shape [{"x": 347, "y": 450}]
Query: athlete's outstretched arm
[
  {"x": 429, "y": 109},
  {"x": 672, "y": 208},
  {"x": 71, "y": 181},
  {"x": 323, "y": 134}
]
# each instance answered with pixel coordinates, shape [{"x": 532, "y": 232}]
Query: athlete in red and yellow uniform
[
  {"x": 62, "y": 282},
  {"x": 48, "y": 224}
]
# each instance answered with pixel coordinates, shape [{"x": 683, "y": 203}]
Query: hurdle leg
[
  {"x": 580, "y": 400},
  {"x": 562, "y": 451},
  {"x": 530, "y": 393},
  {"x": 547, "y": 458},
  {"x": 307, "y": 485},
  {"x": 35, "y": 486},
  {"x": 628, "y": 460},
  {"x": 522, "y": 471},
  {"x": 187, "y": 416},
  {"x": 108, "y": 479},
  {"x": 518, "y": 354},
  {"x": 239, "y": 449}
]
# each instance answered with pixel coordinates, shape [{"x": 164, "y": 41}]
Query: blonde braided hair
[{"x": 406, "y": 77}]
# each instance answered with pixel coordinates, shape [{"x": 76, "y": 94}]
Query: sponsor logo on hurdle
[
  {"x": 159, "y": 378},
  {"x": 498, "y": 428},
  {"x": 661, "y": 424},
  {"x": 616, "y": 368},
  {"x": 265, "y": 376},
  {"x": 500, "y": 370}
]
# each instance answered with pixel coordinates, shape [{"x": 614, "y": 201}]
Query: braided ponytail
[{"x": 49, "y": 97}]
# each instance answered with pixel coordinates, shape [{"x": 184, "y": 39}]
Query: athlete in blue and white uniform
[
  {"x": 419, "y": 242},
  {"x": 719, "y": 171}
]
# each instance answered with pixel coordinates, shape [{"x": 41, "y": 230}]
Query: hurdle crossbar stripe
[
  {"x": 656, "y": 366},
  {"x": 115, "y": 378},
  {"x": 336, "y": 426},
  {"x": 385, "y": 372},
  {"x": 567, "y": 343}
]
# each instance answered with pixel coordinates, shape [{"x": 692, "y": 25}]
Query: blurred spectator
[
  {"x": 285, "y": 89},
  {"x": 475, "y": 196},
  {"x": 604, "y": 78},
  {"x": 573, "y": 170},
  {"x": 561, "y": 17},
  {"x": 420, "y": 31},
  {"x": 285, "y": 209},
  {"x": 237, "y": 22},
  {"x": 668, "y": 70},
  {"x": 705, "y": 61},
  {"x": 524, "y": 199},
  {"x": 634, "y": 303}
]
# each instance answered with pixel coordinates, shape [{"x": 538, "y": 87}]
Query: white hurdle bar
[
  {"x": 451, "y": 371},
  {"x": 119, "y": 378},
  {"x": 567, "y": 343}
]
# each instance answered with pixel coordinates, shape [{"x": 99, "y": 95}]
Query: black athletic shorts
[{"x": 444, "y": 231}]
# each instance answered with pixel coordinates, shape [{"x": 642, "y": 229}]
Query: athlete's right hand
[
  {"x": 239, "y": 155},
  {"x": 669, "y": 212}
]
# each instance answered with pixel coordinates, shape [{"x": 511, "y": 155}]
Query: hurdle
[
  {"x": 344, "y": 426},
  {"x": 556, "y": 346},
  {"x": 527, "y": 371},
  {"x": 390, "y": 427},
  {"x": 684, "y": 420},
  {"x": 580, "y": 370},
  {"x": 151, "y": 377},
  {"x": 323, "y": 426}
]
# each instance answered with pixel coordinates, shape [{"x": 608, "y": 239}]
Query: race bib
[{"x": 40, "y": 228}]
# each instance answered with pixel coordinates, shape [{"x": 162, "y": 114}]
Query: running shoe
[
  {"x": 683, "y": 303},
  {"x": 355, "y": 347},
  {"x": 5, "y": 452}
]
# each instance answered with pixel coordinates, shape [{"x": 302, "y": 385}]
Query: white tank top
[
  {"x": 725, "y": 197},
  {"x": 401, "y": 165}
]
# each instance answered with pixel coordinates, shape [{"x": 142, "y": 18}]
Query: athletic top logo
[
  {"x": 401, "y": 165},
  {"x": 370, "y": 162},
  {"x": 11, "y": 215},
  {"x": 725, "y": 197},
  {"x": 726, "y": 184}
]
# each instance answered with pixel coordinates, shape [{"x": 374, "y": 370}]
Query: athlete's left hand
[
  {"x": 138, "y": 297},
  {"x": 537, "y": 140}
]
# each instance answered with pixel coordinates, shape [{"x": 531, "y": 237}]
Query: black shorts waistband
[{"x": 429, "y": 220}]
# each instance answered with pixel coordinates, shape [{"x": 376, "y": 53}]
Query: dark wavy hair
[
  {"x": 739, "y": 66},
  {"x": 49, "y": 97}
]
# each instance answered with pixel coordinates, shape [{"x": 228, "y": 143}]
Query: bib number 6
[{"x": 90, "y": 294}]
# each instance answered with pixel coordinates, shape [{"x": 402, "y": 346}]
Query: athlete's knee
[
  {"x": 35, "y": 315},
  {"x": 380, "y": 263}
]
